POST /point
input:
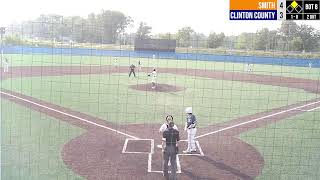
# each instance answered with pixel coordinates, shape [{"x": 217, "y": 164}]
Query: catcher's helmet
[{"x": 169, "y": 118}]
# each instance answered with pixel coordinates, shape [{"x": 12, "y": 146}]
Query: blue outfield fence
[{"x": 163, "y": 55}]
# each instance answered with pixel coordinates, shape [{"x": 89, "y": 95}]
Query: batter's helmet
[{"x": 189, "y": 110}]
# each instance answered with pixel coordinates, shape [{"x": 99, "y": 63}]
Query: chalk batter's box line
[
  {"x": 128, "y": 152},
  {"x": 199, "y": 148},
  {"x": 149, "y": 169},
  {"x": 150, "y": 165}
]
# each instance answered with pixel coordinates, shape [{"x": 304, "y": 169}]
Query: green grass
[
  {"x": 290, "y": 148},
  {"x": 57, "y": 60},
  {"x": 108, "y": 97},
  {"x": 31, "y": 144}
]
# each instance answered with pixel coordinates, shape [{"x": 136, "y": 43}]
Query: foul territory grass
[
  {"x": 31, "y": 144},
  {"x": 109, "y": 97},
  {"x": 290, "y": 148},
  {"x": 65, "y": 60}
]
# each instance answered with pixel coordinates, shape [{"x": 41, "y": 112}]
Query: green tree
[
  {"x": 288, "y": 29},
  {"x": 261, "y": 39},
  {"x": 165, "y": 36},
  {"x": 215, "y": 40},
  {"x": 184, "y": 36},
  {"x": 245, "y": 41},
  {"x": 287, "y": 32},
  {"x": 266, "y": 40},
  {"x": 113, "y": 23},
  {"x": 199, "y": 40},
  {"x": 296, "y": 44},
  {"x": 309, "y": 37},
  {"x": 143, "y": 31}
]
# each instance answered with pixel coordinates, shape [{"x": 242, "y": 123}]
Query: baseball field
[{"x": 83, "y": 117}]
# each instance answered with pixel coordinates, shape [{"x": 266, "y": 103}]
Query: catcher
[{"x": 165, "y": 126}]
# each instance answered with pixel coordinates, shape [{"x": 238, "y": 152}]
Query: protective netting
[{"x": 71, "y": 109}]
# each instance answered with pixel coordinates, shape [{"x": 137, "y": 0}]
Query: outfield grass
[
  {"x": 108, "y": 97},
  {"x": 290, "y": 148},
  {"x": 57, "y": 60},
  {"x": 31, "y": 144}
]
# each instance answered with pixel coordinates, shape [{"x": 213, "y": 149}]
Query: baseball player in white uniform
[
  {"x": 191, "y": 129},
  {"x": 115, "y": 62},
  {"x": 165, "y": 125},
  {"x": 5, "y": 64},
  {"x": 140, "y": 66},
  {"x": 153, "y": 78}
]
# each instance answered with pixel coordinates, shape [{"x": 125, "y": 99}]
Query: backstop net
[{"x": 80, "y": 100}]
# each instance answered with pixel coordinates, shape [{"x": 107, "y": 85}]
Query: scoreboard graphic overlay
[{"x": 274, "y": 10}]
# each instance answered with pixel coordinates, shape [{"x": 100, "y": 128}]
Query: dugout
[{"x": 162, "y": 45}]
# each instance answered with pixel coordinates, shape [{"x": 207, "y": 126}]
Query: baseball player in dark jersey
[
  {"x": 132, "y": 67},
  {"x": 191, "y": 129},
  {"x": 171, "y": 138}
]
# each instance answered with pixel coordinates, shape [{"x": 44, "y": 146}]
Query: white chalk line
[
  {"x": 309, "y": 110},
  {"x": 313, "y": 109},
  {"x": 193, "y": 154},
  {"x": 124, "y": 149},
  {"x": 257, "y": 119},
  {"x": 70, "y": 115}
]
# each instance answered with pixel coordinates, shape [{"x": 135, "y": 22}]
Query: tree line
[{"x": 110, "y": 27}]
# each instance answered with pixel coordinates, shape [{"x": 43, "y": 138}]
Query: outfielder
[
  {"x": 140, "y": 66},
  {"x": 115, "y": 62},
  {"x": 5, "y": 64},
  {"x": 191, "y": 129},
  {"x": 153, "y": 78}
]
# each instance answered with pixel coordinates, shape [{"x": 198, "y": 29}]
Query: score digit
[{"x": 281, "y": 4}]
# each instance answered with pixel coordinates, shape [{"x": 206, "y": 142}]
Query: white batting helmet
[{"x": 188, "y": 110}]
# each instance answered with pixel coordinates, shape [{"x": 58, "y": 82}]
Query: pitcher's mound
[{"x": 158, "y": 88}]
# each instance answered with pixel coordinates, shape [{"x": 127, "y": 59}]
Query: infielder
[
  {"x": 191, "y": 129},
  {"x": 153, "y": 78}
]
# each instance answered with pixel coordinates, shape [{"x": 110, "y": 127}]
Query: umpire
[
  {"x": 132, "y": 67},
  {"x": 171, "y": 137}
]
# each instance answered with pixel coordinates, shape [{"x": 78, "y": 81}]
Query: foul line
[
  {"x": 313, "y": 109},
  {"x": 257, "y": 119},
  {"x": 70, "y": 115}
]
